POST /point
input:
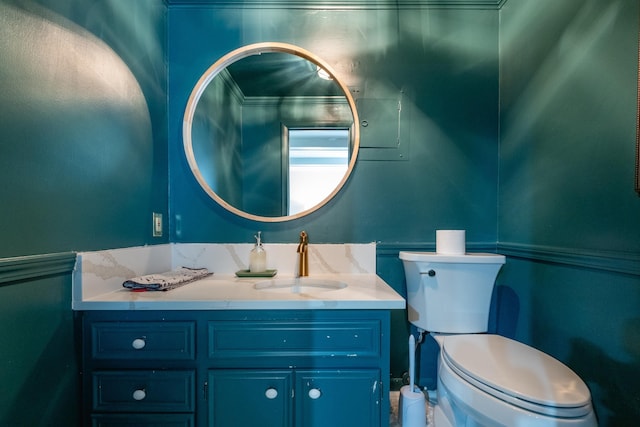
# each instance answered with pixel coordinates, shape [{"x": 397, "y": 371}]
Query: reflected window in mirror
[{"x": 318, "y": 161}]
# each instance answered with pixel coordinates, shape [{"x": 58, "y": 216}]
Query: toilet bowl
[
  {"x": 490, "y": 380},
  {"x": 483, "y": 379}
]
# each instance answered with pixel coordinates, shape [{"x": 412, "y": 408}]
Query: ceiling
[{"x": 346, "y": 4}]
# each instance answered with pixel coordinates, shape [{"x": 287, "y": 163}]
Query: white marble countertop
[
  {"x": 98, "y": 278},
  {"x": 227, "y": 292}
]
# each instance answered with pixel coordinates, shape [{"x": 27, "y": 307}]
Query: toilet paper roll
[
  {"x": 450, "y": 242},
  {"x": 411, "y": 408}
]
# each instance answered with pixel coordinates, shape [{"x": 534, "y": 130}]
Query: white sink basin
[{"x": 299, "y": 285}]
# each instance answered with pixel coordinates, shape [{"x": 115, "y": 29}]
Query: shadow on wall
[
  {"x": 504, "y": 312},
  {"x": 613, "y": 383}
]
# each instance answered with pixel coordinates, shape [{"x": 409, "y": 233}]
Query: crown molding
[{"x": 342, "y": 4}]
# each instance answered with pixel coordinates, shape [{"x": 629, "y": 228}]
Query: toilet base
[{"x": 439, "y": 418}]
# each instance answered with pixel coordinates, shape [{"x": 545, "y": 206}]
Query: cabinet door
[
  {"x": 338, "y": 398},
  {"x": 249, "y": 398}
]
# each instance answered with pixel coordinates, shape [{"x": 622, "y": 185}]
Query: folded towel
[{"x": 166, "y": 281}]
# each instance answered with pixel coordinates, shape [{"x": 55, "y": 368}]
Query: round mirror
[{"x": 270, "y": 133}]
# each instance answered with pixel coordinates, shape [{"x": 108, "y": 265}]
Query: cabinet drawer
[
  {"x": 143, "y": 340},
  {"x": 308, "y": 338},
  {"x": 143, "y": 391},
  {"x": 142, "y": 420}
]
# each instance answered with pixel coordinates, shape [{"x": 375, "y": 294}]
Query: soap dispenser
[{"x": 258, "y": 256}]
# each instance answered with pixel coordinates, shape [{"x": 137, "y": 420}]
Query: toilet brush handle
[{"x": 412, "y": 361}]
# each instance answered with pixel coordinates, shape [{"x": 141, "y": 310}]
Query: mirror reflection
[
  {"x": 269, "y": 132},
  {"x": 318, "y": 159}
]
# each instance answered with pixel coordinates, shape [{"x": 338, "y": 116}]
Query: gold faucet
[{"x": 303, "y": 257}]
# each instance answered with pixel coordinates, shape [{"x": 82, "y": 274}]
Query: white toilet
[{"x": 484, "y": 379}]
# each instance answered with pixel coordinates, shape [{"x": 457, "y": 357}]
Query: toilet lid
[{"x": 507, "y": 367}]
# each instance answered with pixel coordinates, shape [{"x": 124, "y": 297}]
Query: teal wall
[
  {"x": 83, "y": 124},
  {"x": 568, "y": 215},
  {"x": 39, "y": 373},
  {"x": 83, "y": 164},
  {"x": 448, "y": 82}
]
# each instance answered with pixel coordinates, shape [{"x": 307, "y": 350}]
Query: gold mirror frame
[{"x": 219, "y": 66}]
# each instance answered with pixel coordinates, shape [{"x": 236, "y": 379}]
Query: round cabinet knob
[
  {"x": 314, "y": 393},
  {"x": 431, "y": 273},
  {"x": 271, "y": 393},
  {"x": 138, "y": 343},
  {"x": 139, "y": 395}
]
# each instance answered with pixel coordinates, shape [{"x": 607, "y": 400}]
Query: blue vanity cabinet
[{"x": 221, "y": 368}]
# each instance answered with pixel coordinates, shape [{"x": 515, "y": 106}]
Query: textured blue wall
[
  {"x": 568, "y": 214},
  {"x": 82, "y": 125},
  {"x": 445, "y": 63},
  {"x": 83, "y": 164}
]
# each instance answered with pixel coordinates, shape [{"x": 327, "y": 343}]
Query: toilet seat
[{"x": 517, "y": 374}]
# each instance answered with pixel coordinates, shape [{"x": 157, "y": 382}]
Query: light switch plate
[{"x": 157, "y": 224}]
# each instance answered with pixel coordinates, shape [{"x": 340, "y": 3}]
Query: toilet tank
[{"x": 450, "y": 293}]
